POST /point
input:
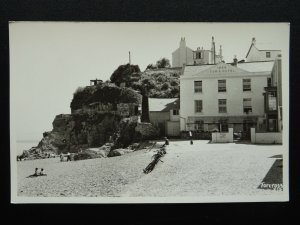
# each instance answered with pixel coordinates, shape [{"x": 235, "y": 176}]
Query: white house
[
  {"x": 186, "y": 56},
  {"x": 220, "y": 96},
  {"x": 182, "y": 55},
  {"x": 261, "y": 52}
]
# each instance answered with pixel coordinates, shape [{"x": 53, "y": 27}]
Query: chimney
[
  {"x": 253, "y": 41},
  {"x": 182, "y": 42},
  {"x": 213, "y": 51},
  {"x": 235, "y": 61}
]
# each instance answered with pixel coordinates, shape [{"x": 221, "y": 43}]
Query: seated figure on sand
[{"x": 42, "y": 173}]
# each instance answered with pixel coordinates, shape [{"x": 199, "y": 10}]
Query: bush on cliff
[
  {"x": 124, "y": 74},
  {"x": 104, "y": 93}
]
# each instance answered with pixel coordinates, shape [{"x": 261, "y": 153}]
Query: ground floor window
[
  {"x": 199, "y": 125},
  {"x": 223, "y": 126}
]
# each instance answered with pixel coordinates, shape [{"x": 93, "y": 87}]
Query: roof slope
[
  {"x": 191, "y": 70},
  {"x": 253, "y": 67},
  {"x": 163, "y": 104},
  {"x": 262, "y": 47}
]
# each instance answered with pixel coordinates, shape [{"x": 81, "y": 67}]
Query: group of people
[{"x": 38, "y": 173}]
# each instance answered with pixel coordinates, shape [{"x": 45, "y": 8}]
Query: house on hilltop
[
  {"x": 259, "y": 52},
  {"x": 186, "y": 56}
]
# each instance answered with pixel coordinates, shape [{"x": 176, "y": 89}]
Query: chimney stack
[
  {"x": 235, "y": 61},
  {"x": 253, "y": 41}
]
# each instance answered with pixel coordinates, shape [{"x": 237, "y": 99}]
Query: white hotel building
[{"x": 220, "y": 96}]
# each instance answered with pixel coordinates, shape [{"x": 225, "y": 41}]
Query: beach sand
[{"x": 201, "y": 169}]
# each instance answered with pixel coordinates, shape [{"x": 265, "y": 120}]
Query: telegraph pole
[{"x": 129, "y": 58}]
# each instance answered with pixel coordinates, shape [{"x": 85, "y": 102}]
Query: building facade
[
  {"x": 164, "y": 114},
  {"x": 186, "y": 56},
  {"x": 182, "y": 55},
  {"x": 273, "y": 99},
  {"x": 222, "y": 96}
]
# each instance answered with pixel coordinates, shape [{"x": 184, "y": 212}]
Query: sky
[{"x": 50, "y": 60}]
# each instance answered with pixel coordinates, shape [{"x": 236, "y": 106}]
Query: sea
[{"x": 25, "y": 145}]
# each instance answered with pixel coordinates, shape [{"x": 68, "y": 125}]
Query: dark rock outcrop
[{"x": 72, "y": 133}]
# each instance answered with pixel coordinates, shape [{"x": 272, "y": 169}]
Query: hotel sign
[{"x": 222, "y": 69}]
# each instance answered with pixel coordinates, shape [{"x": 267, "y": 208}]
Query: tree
[
  {"x": 144, "y": 85},
  {"x": 151, "y": 67},
  {"x": 123, "y": 74},
  {"x": 163, "y": 63}
]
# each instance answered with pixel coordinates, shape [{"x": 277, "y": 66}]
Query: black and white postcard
[{"x": 119, "y": 112}]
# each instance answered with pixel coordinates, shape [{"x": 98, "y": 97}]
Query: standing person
[
  {"x": 68, "y": 156},
  {"x": 166, "y": 141},
  {"x": 191, "y": 137},
  {"x": 61, "y": 157}
]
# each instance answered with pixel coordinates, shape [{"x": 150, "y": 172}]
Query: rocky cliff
[
  {"x": 110, "y": 116},
  {"x": 74, "y": 132}
]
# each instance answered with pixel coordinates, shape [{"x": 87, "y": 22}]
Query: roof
[
  {"x": 253, "y": 67},
  {"x": 262, "y": 47},
  {"x": 266, "y": 47},
  {"x": 163, "y": 104},
  {"x": 191, "y": 70}
]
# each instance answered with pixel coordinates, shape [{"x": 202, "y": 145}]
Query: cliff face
[
  {"x": 71, "y": 133},
  {"x": 100, "y": 114}
]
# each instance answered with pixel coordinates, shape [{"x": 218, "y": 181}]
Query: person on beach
[
  {"x": 166, "y": 141},
  {"x": 36, "y": 172},
  {"x": 42, "y": 173},
  {"x": 61, "y": 157},
  {"x": 68, "y": 156},
  {"x": 191, "y": 137}
]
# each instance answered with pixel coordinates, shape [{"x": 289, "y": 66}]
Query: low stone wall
[
  {"x": 222, "y": 137},
  {"x": 266, "y": 138}
]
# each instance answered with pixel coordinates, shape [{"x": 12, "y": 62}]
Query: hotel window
[
  {"x": 246, "y": 84},
  {"x": 268, "y": 54},
  {"x": 175, "y": 112},
  {"x": 198, "y": 106},
  {"x": 247, "y": 105},
  {"x": 222, "y": 85},
  {"x": 198, "y": 55},
  {"x": 272, "y": 101},
  {"x": 199, "y": 125},
  {"x": 222, "y": 106},
  {"x": 198, "y": 86}
]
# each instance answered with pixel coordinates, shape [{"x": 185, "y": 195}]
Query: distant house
[
  {"x": 186, "y": 56},
  {"x": 164, "y": 113},
  {"x": 261, "y": 52}
]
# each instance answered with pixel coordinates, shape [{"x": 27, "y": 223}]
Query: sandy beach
[{"x": 201, "y": 169}]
